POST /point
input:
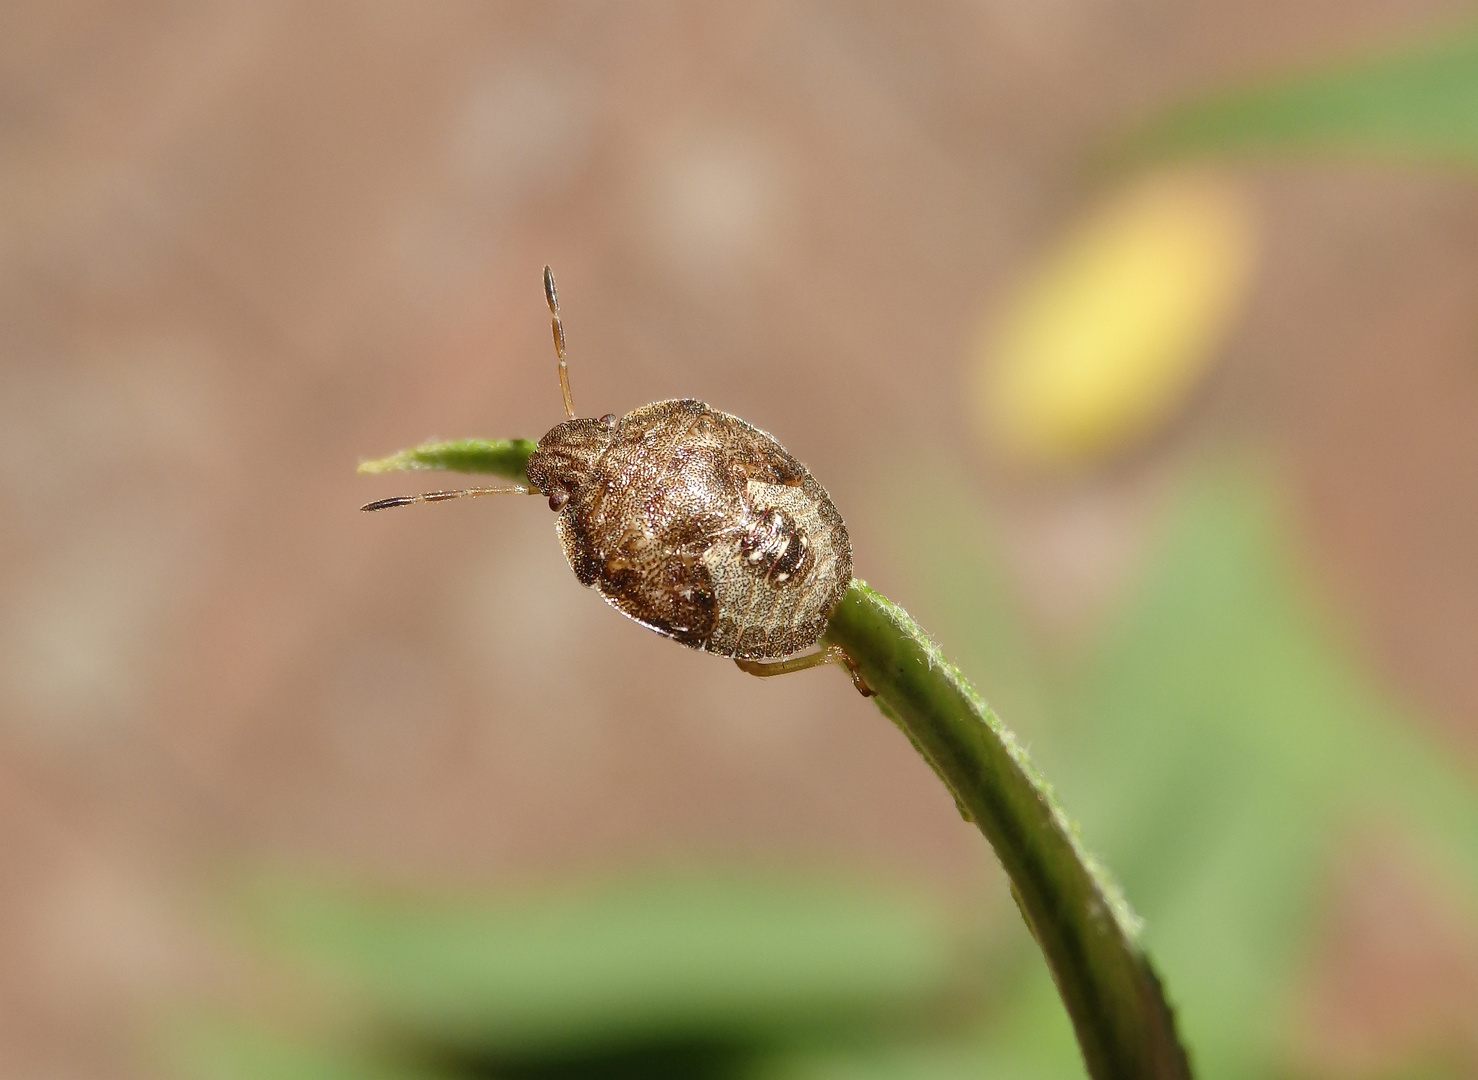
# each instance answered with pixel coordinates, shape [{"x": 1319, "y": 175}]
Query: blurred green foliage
[
  {"x": 1419, "y": 103},
  {"x": 720, "y": 959},
  {"x": 686, "y": 975},
  {"x": 213, "y": 1048}
]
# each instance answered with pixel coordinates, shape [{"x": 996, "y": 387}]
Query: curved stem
[{"x": 1085, "y": 929}]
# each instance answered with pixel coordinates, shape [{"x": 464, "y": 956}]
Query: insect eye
[
  {"x": 558, "y": 496},
  {"x": 608, "y": 421}
]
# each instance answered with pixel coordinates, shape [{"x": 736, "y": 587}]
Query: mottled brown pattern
[{"x": 698, "y": 525}]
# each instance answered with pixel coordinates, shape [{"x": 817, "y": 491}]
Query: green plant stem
[
  {"x": 1085, "y": 929},
  {"x": 501, "y": 457}
]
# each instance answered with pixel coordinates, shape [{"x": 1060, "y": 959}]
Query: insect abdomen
[
  {"x": 779, "y": 580},
  {"x": 703, "y": 528}
]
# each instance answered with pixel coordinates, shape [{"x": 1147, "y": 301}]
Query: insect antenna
[
  {"x": 444, "y": 496},
  {"x": 559, "y": 342}
]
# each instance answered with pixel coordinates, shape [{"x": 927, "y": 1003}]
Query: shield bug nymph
[{"x": 693, "y": 523}]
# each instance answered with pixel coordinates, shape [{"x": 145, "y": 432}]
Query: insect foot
[{"x": 832, "y": 654}]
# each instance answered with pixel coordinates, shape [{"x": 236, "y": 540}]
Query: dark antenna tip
[
  {"x": 385, "y": 504},
  {"x": 549, "y": 293}
]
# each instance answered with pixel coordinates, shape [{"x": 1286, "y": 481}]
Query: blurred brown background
[{"x": 244, "y": 246}]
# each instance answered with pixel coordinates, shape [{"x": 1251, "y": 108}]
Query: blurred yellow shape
[{"x": 1111, "y": 334}]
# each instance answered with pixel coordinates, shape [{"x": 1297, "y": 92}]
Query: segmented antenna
[
  {"x": 559, "y": 342},
  {"x": 444, "y": 496}
]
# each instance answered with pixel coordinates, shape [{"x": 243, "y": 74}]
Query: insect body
[
  {"x": 693, "y": 523},
  {"x": 697, "y": 525}
]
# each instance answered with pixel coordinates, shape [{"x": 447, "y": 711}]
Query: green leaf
[
  {"x": 501, "y": 457},
  {"x": 1242, "y": 746},
  {"x": 214, "y": 1049},
  {"x": 1416, "y": 104},
  {"x": 1082, "y": 923},
  {"x": 721, "y": 959}
]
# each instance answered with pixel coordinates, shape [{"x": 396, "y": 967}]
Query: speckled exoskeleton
[{"x": 693, "y": 523}]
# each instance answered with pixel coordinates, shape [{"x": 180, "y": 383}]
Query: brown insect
[{"x": 693, "y": 523}]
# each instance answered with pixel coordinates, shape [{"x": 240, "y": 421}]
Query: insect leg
[
  {"x": 832, "y": 654},
  {"x": 443, "y": 496}
]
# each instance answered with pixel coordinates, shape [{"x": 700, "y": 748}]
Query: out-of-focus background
[{"x": 1178, "y": 458}]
